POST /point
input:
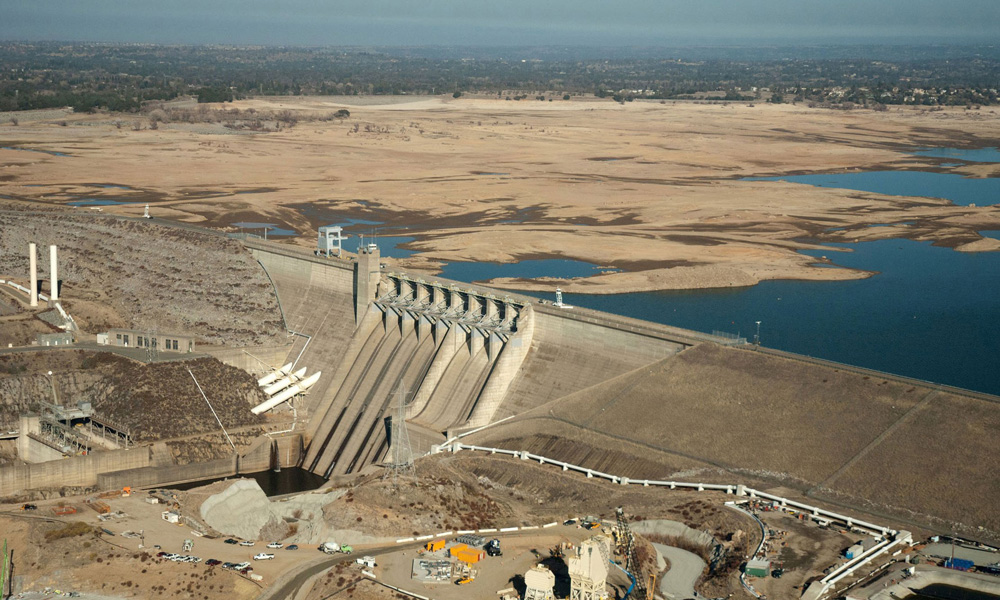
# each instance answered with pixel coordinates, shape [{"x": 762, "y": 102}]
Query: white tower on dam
[
  {"x": 53, "y": 274},
  {"x": 33, "y": 262}
]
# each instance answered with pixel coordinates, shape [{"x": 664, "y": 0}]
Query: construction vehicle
[
  {"x": 465, "y": 580},
  {"x": 493, "y": 548}
]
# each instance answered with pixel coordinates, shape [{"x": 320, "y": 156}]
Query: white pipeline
[
  {"x": 284, "y": 382},
  {"x": 287, "y": 394},
  {"x": 269, "y": 379}
]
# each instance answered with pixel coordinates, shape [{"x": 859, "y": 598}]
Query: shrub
[{"x": 74, "y": 529}]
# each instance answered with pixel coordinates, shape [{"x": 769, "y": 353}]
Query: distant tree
[
  {"x": 565, "y": 96},
  {"x": 457, "y": 95},
  {"x": 342, "y": 113}
]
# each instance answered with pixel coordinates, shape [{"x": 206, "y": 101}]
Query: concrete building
[
  {"x": 588, "y": 570},
  {"x": 163, "y": 342},
  {"x": 539, "y": 582}
]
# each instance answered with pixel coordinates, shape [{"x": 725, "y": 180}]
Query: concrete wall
[
  {"x": 76, "y": 471},
  {"x": 258, "y": 458},
  {"x": 274, "y": 356}
]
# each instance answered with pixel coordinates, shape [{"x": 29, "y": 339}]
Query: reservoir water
[{"x": 929, "y": 313}]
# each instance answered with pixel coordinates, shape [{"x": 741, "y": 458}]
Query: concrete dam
[{"x": 467, "y": 356}]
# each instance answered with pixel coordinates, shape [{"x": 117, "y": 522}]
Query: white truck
[
  {"x": 330, "y": 547},
  {"x": 334, "y": 547}
]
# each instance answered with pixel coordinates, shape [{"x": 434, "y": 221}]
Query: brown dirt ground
[
  {"x": 478, "y": 179},
  {"x": 93, "y": 564}
]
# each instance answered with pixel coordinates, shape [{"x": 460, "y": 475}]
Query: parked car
[
  {"x": 212, "y": 562},
  {"x": 263, "y": 556},
  {"x": 228, "y": 565},
  {"x": 276, "y": 545},
  {"x": 246, "y": 543},
  {"x": 231, "y": 541},
  {"x": 291, "y": 547},
  {"x": 569, "y": 522}
]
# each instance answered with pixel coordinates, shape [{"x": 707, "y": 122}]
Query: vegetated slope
[
  {"x": 142, "y": 275},
  {"x": 764, "y": 417},
  {"x": 161, "y": 400},
  {"x": 153, "y": 401}
]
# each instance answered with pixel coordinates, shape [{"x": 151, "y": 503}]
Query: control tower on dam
[{"x": 466, "y": 355}]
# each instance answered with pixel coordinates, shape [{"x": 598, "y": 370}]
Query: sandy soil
[{"x": 649, "y": 188}]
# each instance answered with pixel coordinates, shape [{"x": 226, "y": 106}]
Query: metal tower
[
  {"x": 626, "y": 545},
  {"x": 401, "y": 462}
]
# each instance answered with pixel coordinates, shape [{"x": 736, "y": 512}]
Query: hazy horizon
[{"x": 396, "y": 23}]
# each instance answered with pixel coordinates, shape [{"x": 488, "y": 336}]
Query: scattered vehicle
[
  {"x": 188, "y": 544},
  {"x": 291, "y": 547},
  {"x": 246, "y": 543},
  {"x": 263, "y": 556},
  {"x": 777, "y": 573},
  {"x": 493, "y": 548},
  {"x": 569, "y": 522},
  {"x": 28, "y": 507},
  {"x": 230, "y": 541},
  {"x": 276, "y": 545},
  {"x": 158, "y": 547},
  {"x": 212, "y": 562},
  {"x": 329, "y": 547}
]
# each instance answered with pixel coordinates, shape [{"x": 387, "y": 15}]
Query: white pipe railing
[{"x": 737, "y": 489}]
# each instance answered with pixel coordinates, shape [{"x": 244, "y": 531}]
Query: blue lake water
[
  {"x": 949, "y": 186},
  {"x": 97, "y": 202},
  {"x": 388, "y": 245},
  {"x": 930, "y": 313},
  {"x": 969, "y": 155},
  {"x": 49, "y": 152},
  {"x": 528, "y": 269},
  {"x": 271, "y": 228}
]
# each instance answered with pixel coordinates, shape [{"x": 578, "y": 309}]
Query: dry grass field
[
  {"x": 651, "y": 188},
  {"x": 941, "y": 463},
  {"x": 907, "y": 453}
]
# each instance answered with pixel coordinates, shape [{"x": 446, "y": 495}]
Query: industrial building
[{"x": 136, "y": 338}]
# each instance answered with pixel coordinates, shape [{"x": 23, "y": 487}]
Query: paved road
[{"x": 685, "y": 569}]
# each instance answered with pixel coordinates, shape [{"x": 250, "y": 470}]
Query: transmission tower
[
  {"x": 401, "y": 455},
  {"x": 626, "y": 545}
]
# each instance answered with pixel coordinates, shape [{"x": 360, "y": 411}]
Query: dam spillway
[{"x": 467, "y": 355}]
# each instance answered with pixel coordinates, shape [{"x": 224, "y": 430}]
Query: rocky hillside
[
  {"x": 154, "y": 401},
  {"x": 137, "y": 274}
]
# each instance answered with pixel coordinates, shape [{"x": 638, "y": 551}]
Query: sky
[{"x": 503, "y": 22}]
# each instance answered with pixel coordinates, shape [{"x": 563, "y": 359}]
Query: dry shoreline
[{"x": 653, "y": 189}]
